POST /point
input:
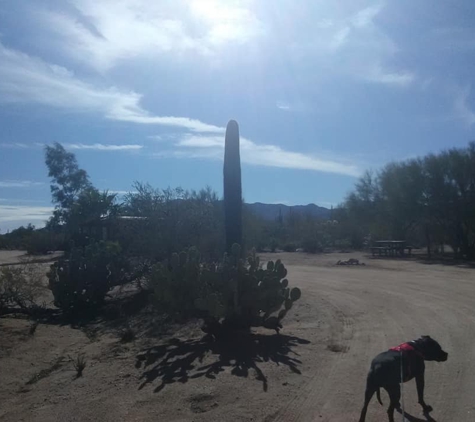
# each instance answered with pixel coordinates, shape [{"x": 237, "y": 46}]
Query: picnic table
[{"x": 391, "y": 248}]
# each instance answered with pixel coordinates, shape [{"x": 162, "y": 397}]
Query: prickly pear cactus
[
  {"x": 176, "y": 283},
  {"x": 232, "y": 293},
  {"x": 247, "y": 292}
]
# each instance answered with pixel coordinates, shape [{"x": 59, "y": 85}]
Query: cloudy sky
[{"x": 142, "y": 90}]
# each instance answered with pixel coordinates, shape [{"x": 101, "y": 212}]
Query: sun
[
  {"x": 225, "y": 20},
  {"x": 213, "y": 10}
]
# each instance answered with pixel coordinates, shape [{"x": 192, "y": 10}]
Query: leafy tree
[
  {"x": 67, "y": 180},
  {"x": 429, "y": 200},
  {"x": 77, "y": 201},
  {"x": 175, "y": 219}
]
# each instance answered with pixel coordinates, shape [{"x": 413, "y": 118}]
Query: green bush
[{"x": 82, "y": 279}]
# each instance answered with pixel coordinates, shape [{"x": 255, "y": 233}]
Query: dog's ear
[{"x": 425, "y": 336}]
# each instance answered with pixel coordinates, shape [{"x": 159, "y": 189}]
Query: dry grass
[{"x": 80, "y": 364}]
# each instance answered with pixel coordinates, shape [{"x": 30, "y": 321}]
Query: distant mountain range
[{"x": 271, "y": 211}]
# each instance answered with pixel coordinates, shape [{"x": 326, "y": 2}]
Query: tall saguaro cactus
[{"x": 232, "y": 186}]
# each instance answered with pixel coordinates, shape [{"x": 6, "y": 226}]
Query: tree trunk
[{"x": 428, "y": 240}]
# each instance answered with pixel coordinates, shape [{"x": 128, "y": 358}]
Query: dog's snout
[{"x": 444, "y": 356}]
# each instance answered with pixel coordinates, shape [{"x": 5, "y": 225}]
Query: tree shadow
[
  {"x": 448, "y": 260},
  {"x": 181, "y": 360}
]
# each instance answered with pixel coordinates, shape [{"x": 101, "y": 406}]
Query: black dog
[{"x": 386, "y": 368}]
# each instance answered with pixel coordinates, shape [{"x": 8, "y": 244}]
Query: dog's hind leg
[
  {"x": 394, "y": 392},
  {"x": 370, "y": 390}
]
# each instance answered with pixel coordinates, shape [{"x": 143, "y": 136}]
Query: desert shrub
[
  {"x": 127, "y": 334},
  {"x": 290, "y": 247},
  {"x": 79, "y": 364},
  {"x": 176, "y": 283},
  {"x": 261, "y": 246},
  {"x": 20, "y": 286},
  {"x": 231, "y": 294},
  {"x": 312, "y": 245},
  {"x": 173, "y": 220},
  {"x": 81, "y": 279},
  {"x": 33, "y": 328},
  {"x": 41, "y": 242},
  {"x": 32, "y": 240},
  {"x": 343, "y": 244}
]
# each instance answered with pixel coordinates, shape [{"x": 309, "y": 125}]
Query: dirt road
[
  {"x": 314, "y": 371},
  {"x": 374, "y": 308}
]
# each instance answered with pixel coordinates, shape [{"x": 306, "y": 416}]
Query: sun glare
[
  {"x": 212, "y": 10},
  {"x": 226, "y": 21}
]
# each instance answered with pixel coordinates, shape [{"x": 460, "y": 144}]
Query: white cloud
[
  {"x": 13, "y": 145},
  {"x": 120, "y": 192},
  {"x": 347, "y": 42},
  {"x": 102, "y": 147},
  {"x": 19, "y": 184},
  {"x": 368, "y": 48},
  {"x": 274, "y": 156},
  {"x": 182, "y": 122},
  {"x": 13, "y": 216},
  {"x": 378, "y": 74},
  {"x": 22, "y": 201},
  {"x": 298, "y": 106},
  {"x": 198, "y": 141},
  {"x": 463, "y": 110},
  {"x": 111, "y": 30},
  {"x": 107, "y": 33},
  {"x": 365, "y": 17},
  {"x": 340, "y": 38},
  {"x": 25, "y": 79},
  {"x": 211, "y": 147},
  {"x": 283, "y": 105}
]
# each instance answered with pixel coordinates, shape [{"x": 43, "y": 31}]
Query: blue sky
[{"x": 142, "y": 90}]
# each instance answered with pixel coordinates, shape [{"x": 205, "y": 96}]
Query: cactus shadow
[{"x": 182, "y": 360}]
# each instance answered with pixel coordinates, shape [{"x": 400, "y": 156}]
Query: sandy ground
[{"x": 314, "y": 371}]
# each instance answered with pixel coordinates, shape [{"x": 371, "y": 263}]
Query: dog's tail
[{"x": 378, "y": 395}]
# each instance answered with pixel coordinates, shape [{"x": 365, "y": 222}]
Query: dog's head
[{"x": 430, "y": 349}]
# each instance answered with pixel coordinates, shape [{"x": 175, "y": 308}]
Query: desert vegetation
[
  {"x": 182, "y": 250},
  {"x": 196, "y": 254},
  {"x": 157, "y": 260}
]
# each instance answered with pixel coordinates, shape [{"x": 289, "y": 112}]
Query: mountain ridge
[{"x": 272, "y": 211}]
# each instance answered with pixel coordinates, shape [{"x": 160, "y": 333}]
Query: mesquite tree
[{"x": 232, "y": 186}]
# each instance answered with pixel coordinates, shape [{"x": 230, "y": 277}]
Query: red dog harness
[{"x": 409, "y": 354}]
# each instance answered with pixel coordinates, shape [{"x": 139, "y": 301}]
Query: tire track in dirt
[{"x": 302, "y": 407}]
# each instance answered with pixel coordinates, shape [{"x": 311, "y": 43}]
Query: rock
[{"x": 351, "y": 261}]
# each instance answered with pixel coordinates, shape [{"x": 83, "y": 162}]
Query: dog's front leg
[{"x": 420, "y": 392}]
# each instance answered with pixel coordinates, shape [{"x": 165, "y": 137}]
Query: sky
[{"x": 142, "y": 91}]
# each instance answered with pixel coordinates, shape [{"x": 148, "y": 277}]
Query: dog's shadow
[{"x": 410, "y": 418}]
